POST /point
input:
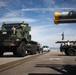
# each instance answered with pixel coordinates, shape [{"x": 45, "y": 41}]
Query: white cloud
[
  {"x": 15, "y": 19},
  {"x": 10, "y": 14},
  {"x": 3, "y": 3},
  {"x": 47, "y": 34},
  {"x": 47, "y": 9},
  {"x": 49, "y": 3},
  {"x": 34, "y": 9},
  {"x": 15, "y": 13},
  {"x": 42, "y": 35}
]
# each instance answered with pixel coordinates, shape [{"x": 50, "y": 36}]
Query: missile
[
  {"x": 65, "y": 41},
  {"x": 65, "y": 17}
]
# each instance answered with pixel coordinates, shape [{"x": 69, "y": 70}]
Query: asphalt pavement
[{"x": 51, "y": 63}]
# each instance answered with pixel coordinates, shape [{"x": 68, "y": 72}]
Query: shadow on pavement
[
  {"x": 43, "y": 74},
  {"x": 64, "y": 55},
  {"x": 62, "y": 69}
]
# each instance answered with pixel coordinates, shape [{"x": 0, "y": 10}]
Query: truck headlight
[{"x": 17, "y": 40}]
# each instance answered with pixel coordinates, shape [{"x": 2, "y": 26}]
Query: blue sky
[{"x": 39, "y": 15}]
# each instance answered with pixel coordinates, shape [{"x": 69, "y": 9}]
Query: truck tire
[
  {"x": 15, "y": 52},
  {"x": 1, "y": 53},
  {"x": 38, "y": 51},
  {"x": 21, "y": 51},
  {"x": 32, "y": 50},
  {"x": 71, "y": 51},
  {"x": 66, "y": 52},
  {"x": 35, "y": 48},
  {"x": 41, "y": 50}
]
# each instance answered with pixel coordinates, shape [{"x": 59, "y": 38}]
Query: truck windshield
[
  {"x": 11, "y": 26},
  {"x": 45, "y": 46}
]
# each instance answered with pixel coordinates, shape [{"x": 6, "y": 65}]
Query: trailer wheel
[
  {"x": 1, "y": 53},
  {"x": 21, "y": 49},
  {"x": 71, "y": 51}
]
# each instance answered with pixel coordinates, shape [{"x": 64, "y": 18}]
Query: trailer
[{"x": 68, "y": 47}]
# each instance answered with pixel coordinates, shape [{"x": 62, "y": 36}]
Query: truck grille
[{"x": 5, "y": 34}]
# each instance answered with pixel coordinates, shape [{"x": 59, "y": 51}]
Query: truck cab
[{"x": 14, "y": 37}]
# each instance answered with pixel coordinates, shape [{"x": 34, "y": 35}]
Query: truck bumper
[{"x": 7, "y": 43}]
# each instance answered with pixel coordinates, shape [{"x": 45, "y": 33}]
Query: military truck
[
  {"x": 15, "y": 37},
  {"x": 68, "y": 47},
  {"x": 66, "y": 17}
]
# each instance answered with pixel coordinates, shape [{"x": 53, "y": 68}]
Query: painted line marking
[{"x": 57, "y": 59}]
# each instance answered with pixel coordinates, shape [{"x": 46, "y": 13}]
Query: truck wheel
[
  {"x": 38, "y": 51},
  {"x": 21, "y": 50},
  {"x": 1, "y": 53},
  {"x": 15, "y": 52},
  {"x": 42, "y": 50},
  {"x": 66, "y": 52},
  {"x": 32, "y": 50},
  {"x": 35, "y": 49},
  {"x": 71, "y": 51}
]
